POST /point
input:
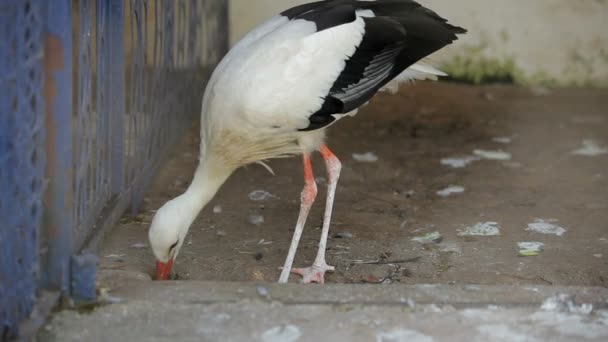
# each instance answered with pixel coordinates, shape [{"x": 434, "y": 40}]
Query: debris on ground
[
  {"x": 342, "y": 235},
  {"x": 481, "y": 229},
  {"x": 429, "y": 238},
  {"x": 381, "y": 261},
  {"x": 590, "y": 149},
  {"x": 368, "y": 157},
  {"x": 139, "y": 245},
  {"x": 502, "y": 140},
  {"x": 546, "y": 227},
  {"x": 217, "y": 209},
  {"x": 255, "y": 219},
  {"x": 260, "y": 195},
  {"x": 459, "y": 162},
  {"x": 493, "y": 155},
  {"x": 115, "y": 256},
  {"x": 220, "y": 232},
  {"x": 452, "y": 189},
  {"x": 394, "y": 274},
  {"x": 530, "y": 248}
]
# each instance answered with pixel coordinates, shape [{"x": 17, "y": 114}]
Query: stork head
[
  {"x": 172, "y": 221},
  {"x": 167, "y": 232}
]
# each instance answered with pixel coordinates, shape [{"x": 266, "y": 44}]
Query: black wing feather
[{"x": 401, "y": 33}]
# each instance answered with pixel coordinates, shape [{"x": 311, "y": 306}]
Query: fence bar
[
  {"x": 116, "y": 94},
  {"x": 57, "y": 93}
]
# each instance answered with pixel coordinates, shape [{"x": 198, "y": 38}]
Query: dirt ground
[{"x": 528, "y": 174}]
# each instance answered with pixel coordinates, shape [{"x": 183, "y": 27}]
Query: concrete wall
[{"x": 550, "y": 42}]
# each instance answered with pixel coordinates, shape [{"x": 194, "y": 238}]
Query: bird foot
[{"x": 313, "y": 274}]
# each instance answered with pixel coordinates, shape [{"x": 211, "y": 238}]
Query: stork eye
[{"x": 173, "y": 246}]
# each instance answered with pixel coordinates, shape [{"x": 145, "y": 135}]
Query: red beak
[{"x": 163, "y": 269}]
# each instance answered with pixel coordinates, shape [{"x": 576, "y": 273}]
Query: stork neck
[{"x": 208, "y": 178}]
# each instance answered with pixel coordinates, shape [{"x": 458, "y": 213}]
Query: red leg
[
  {"x": 307, "y": 198},
  {"x": 316, "y": 272}
]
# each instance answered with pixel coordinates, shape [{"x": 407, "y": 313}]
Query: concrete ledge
[
  {"x": 216, "y": 311},
  {"x": 194, "y": 292}
]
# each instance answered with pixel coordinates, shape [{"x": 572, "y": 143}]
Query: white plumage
[{"x": 283, "y": 84}]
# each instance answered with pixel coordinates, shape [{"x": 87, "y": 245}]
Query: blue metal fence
[
  {"x": 21, "y": 158},
  {"x": 94, "y": 93}
]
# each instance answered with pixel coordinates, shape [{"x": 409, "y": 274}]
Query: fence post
[
  {"x": 57, "y": 94},
  {"x": 22, "y": 159}
]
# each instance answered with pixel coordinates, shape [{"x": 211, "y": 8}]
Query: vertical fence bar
[
  {"x": 116, "y": 94},
  {"x": 57, "y": 93}
]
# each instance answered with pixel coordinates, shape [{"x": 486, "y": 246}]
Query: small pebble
[
  {"x": 489, "y": 96},
  {"x": 262, "y": 290},
  {"x": 255, "y": 219},
  {"x": 598, "y": 255},
  {"x": 115, "y": 255},
  {"x": 258, "y": 256},
  {"x": 217, "y": 209},
  {"x": 492, "y": 155},
  {"x": 452, "y": 189},
  {"x": 434, "y": 237},
  {"x": 220, "y": 232},
  {"x": 368, "y": 157},
  {"x": 139, "y": 245},
  {"x": 343, "y": 235},
  {"x": 502, "y": 140}
]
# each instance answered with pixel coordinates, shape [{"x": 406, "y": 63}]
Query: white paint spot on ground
[
  {"x": 260, "y": 195},
  {"x": 459, "y": 162},
  {"x": 590, "y": 149},
  {"x": 502, "y": 140},
  {"x": 530, "y": 248},
  {"x": 565, "y": 303},
  {"x": 452, "y": 189},
  {"x": 481, "y": 229},
  {"x": 503, "y": 332},
  {"x": 587, "y": 119},
  {"x": 434, "y": 237},
  {"x": 255, "y": 219},
  {"x": 288, "y": 333},
  {"x": 403, "y": 335},
  {"x": 450, "y": 247},
  {"x": 368, "y": 157},
  {"x": 571, "y": 325},
  {"x": 546, "y": 227},
  {"x": 493, "y": 155}
]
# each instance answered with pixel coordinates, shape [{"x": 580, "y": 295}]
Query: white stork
[{"x": 278, "y": 90}]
